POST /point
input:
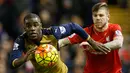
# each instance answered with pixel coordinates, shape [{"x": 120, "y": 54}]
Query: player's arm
[
  {"x": 63, "y": 42},
  {"x": 117, "y": 41},
  {"x": 78, "y": 38},
  {"x": 72, "y": 39},
  {"x": 22, "y": 59},
  {"x": 67, "y": 29},
  {"x": 16, "y": 57}
]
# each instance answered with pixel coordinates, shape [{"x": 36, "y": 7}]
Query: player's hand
[
  {"x": 30, "y": 53},
  {"x": 98, "y": 46},
  {"x": 86, "y": 46}
]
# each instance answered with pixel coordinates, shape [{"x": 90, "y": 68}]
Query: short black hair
[
  {"x": 97, "y": 6},
  {"x": 31, "y": 15}
]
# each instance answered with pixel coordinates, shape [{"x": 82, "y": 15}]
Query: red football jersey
[{"x": 101, "y": 63}]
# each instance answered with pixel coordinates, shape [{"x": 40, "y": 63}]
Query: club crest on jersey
[
  {"x": 30, "y": 46},
  {"x": 107, "y": 38}
]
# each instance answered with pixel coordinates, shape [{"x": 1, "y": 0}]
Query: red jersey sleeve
[
  {"x": 117, "y": 30},
  {"x": 74, "y": 39}
]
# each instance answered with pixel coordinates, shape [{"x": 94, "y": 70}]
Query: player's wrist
[
  {"x": 25, "y": 58},
  {"x": 18, "y": 62},
  {"x": 89, "y": 38},
  {"x": 13, "y": 63},
  {"x": 92, "y": 42}
]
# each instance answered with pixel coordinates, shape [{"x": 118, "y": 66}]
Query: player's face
[
  {"x": 100, "y": 18},
  {"x": 33, "y": 28}
]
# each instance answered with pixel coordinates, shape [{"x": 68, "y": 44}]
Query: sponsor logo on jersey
[
  {"x": 118, "y": 32},
  {"x": 15, "y": 46},
  {"x": 62, "y": 29},
  {"x": 107, "y": 38},
  {"x": 55, "y": 30}
]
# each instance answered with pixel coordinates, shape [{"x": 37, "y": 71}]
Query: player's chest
[
  {"x": 102, "y": 37},
  {"x": 45, "y": 40},
  {"x": 49, "y": 40}
]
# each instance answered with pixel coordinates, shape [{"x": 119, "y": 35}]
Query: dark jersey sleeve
[
  {"x": 65, "y": 30},
  {"x": 17, "y": 50}
]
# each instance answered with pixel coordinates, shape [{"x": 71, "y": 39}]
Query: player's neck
[
  {"x": 39, "y": 38},
  {"x": 102, "y": 29}
]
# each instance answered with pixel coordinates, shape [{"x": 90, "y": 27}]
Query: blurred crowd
[{"x": 51, "y": 12}]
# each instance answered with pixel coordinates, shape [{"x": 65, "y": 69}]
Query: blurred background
[{"x": 56, "y": 12}]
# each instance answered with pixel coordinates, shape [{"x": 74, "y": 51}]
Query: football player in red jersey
[{"x": 102, "y": 32}]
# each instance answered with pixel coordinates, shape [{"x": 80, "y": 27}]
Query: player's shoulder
[
  {"x": 112, "y": 25},
  {"x": 20, "y": 38},
  {"x": 115, "y": 27}
]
